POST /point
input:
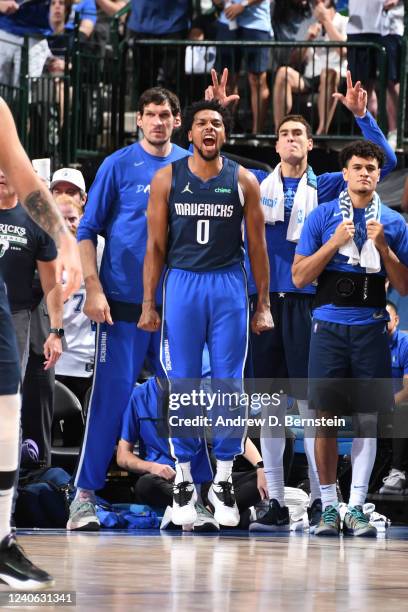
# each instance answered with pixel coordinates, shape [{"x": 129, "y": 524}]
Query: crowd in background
[
  {"x": 315, "y": 71},
  {"x": 50, "y": 27}
]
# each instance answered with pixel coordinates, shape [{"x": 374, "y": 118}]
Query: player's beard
[
  {"x": 157, "y": 143},
  {"x": 208, "y": 158}
]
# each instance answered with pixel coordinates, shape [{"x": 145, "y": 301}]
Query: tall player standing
[
  {"x": 195, "y": 214},
  {"x": 116, "y": 209},
  {"x": 15, "y": 569}
]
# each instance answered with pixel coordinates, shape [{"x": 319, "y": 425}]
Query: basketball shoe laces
[
  {"x": 330, "y": 515},
  {"x": 182, "y": 493},
  {"x": 226, "y": 492},
  {"x": 358, "y": 518}
]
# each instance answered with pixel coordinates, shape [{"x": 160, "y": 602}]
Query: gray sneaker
[
  {"x": 355, "y": 523},
  {"x": 82, "y": 516},
  {"x": 394, "y": 484},
  {"x": 205, "y": 520}
]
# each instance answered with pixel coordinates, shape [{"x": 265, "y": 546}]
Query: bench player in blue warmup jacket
[
  {"x": 349, "y": 245},
  {"x": 195, "y": 216},
  {"x": 283, "y": 352},
  {"x": 15, "y": 569},
  {"x": 116, "y": 209}
]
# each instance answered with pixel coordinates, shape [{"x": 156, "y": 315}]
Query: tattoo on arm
[{"x": 45, "y": 214}]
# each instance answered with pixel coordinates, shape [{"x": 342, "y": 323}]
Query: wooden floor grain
[{"x": 136, "y": 571}]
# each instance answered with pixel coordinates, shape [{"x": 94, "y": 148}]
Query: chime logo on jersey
[{"x": 222, "y": 190}]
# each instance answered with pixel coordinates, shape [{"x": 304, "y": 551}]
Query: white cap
[{"x": 69, "y": 175}]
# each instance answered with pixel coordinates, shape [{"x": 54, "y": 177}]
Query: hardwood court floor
[{"x": 144, "y": 570}]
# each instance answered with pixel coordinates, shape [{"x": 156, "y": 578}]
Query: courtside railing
[{"x": 90, "y": 108}]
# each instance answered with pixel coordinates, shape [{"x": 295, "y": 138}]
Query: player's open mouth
[{"x": 209, "y": 141}]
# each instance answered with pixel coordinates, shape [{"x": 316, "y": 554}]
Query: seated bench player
[{"x": 145, "y": 422}]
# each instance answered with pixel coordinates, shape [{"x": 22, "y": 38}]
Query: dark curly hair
[
  {"x": 159, "y": 95},
  {"x": 214, "y": 105},
  {"x": 361, "y": 148}
]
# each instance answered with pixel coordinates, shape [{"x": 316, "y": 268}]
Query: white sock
[
  {"x": 272, "y": 449},
  {"x": 199, "y": 498},
  {"x": 183, "y": 472},
  {"x": 9, "y": 448},
  {"x": 276, "y": 484},
  {"x": 329, "y": 495},
  {"x": 363, "y": 452},
  {"x": 224, "y": 471},
  {"x": 309, "y": 443},
  {"x": 6, "y": 502},
  {"x": 84, "y": 495}
]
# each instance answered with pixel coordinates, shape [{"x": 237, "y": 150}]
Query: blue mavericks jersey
[
  {"x": 145, "y": 421},
  {"x": 205, "y": 219},
  {"x": 116, "y": 209},
  {"x": 281, "y": 252},
  {"x": 320, "y": 226}
]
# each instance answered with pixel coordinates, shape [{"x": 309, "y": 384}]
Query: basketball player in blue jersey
[
  {"x": 287, "y": 196},
  {"x": 195, "y": 216},
  {"x": 116, "y": 209},
  {"x": 350, "y": 245},
  {"x": 15, "y": 569}
]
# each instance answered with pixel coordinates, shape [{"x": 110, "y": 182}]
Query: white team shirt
[
  {"x": 78, "y": 359},
  {"x": 365, "y": 16}
]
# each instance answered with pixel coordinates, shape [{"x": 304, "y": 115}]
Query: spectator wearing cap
[{"x": 70, "y": 182}]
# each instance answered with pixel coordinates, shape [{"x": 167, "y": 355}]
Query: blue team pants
[
  {"x": 121, "y": 349},
  {"x": 199, "y": 308}
]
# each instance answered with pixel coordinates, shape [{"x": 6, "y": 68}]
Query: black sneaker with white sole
[
  {"x": 273, "y": 517},
  {"x": 184, "y": 500},
  {"x": 17, "y": 571},
  {"x": 314, "y": 514}
]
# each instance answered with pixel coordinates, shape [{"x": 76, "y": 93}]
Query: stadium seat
[{"x": 67, "y": 428}]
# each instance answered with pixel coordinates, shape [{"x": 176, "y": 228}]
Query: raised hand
[
  {"x": 218, "y": 89},
  {"x": 355, "y": 99}
]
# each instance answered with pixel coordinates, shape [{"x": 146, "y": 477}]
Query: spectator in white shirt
[{"x": 324, "y": 68}]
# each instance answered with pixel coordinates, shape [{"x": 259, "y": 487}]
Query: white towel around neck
[
  {"x": 273, "y": 201},
  {"x": 369, "y": 258}
]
